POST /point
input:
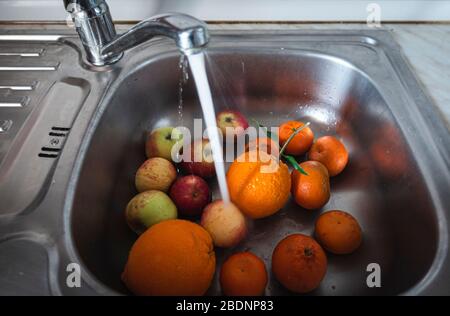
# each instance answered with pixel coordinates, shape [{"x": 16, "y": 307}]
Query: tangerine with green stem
[{"x": 300, "y": 143}]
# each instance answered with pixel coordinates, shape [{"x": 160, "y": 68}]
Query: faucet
[{"x": 103, "y": 46}]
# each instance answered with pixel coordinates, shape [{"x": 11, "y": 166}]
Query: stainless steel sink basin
[{"x": 355, "y": 85}]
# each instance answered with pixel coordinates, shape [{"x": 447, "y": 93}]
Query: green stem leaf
[
  {"x": 289, "y": 158},
  {"x": 268, "y": 133},
  {"x": 296, "y": 131},
  {"x": 294, "y": 164}
]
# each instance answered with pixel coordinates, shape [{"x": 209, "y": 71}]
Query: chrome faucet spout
[
  {"x": 103, "y": 46},
  {"x": 188, "y": 33}
]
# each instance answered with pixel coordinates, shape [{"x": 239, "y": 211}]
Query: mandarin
[
  {"x": 243, "y": 274},
  {"x": 311, "y": 191},
  {"x": 300, "y": 143},
  {"x": 299, "y": 263},
  {"x": 329, "y": 151},
  {"x": 338, "y": 232}
]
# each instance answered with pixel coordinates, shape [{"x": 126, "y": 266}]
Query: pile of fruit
[{"x": 175, "y": 256}]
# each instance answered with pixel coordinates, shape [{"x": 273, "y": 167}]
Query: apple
[
  {"x": 155, "y": 174},
  {"x": 231, "y": 119},
  {"x": 161, "y": 140},
  {"x": 149, "y": 208},
  {"x": 225, "y": 223},
  {"x": 201, "y": 161},
  {"x": 190, "y": 194}
]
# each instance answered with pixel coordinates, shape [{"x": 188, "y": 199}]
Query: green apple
[
  {"x": 149, "y": 208},
  {"x": 161, "y": 140}
]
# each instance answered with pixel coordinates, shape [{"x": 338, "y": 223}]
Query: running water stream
[{"x": 197, "y": 64}]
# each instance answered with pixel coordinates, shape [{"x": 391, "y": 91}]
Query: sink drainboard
[{"x": 38, "y": 104}]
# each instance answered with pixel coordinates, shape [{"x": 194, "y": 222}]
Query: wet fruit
[
  {"x": 311, "y": 191},
  {"x": 338, "y": 232},
  {"x": 225, "y": 223},
  {"x": 174, "y": 257},
  {"x": 161, "y": 141},
  {"x": 299, "y": 263},
  {"x": 190, "y": 194},
  {"x": 149, "y": 208},
  {"x": 231, "y": 123},
  {"x": 329, "y": 151},
  {"x": 155, "y": 174},
  {"x": 243, "y": 274},
  {"x": 301, "y": 142},
  {"x": 200, "y": 161},
  {"x": 258, "y": 184}
]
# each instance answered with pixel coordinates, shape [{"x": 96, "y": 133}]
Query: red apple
[
  {"x": 201, "y": 162},
  {"x": 225, "y": 223},
  {"x": 190, "y": 194},
  {"x": 232, "y": 121}
]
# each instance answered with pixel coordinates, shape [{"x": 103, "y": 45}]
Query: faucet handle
[
  {"x": 95, "y": 27},
  {"x": 82, "y": 4}
]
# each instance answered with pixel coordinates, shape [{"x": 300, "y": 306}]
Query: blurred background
[{"x": 242, "y": 10}]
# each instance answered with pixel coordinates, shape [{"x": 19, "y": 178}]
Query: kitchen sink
[{"x": 355, "y": 85}]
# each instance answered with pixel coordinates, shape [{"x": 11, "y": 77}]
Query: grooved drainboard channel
[{"x": 56, "y": 133}]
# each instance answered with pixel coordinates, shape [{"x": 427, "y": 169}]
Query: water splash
[
  {"x": 183, "y": 65},
  {"x": 197, "y": 64}
]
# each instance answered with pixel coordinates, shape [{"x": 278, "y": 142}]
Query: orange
[
  {"x": 265, "y": 144},
  {"x": 259, "y": 185},
  {"x": 173, "y": 257},
  {"x": 338, "y": 232},
  {"x": 311, "y": 191},
  {"x": 299, "y": 263},
  {"x": 243, "y": 274},
  {"x": 301, "y": 142},
  {"x": 331, "y": 153}
]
